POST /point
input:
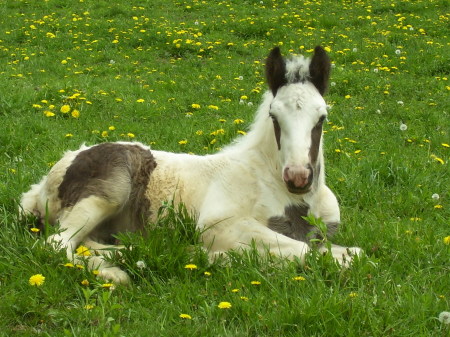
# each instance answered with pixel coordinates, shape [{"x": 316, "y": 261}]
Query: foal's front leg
[
  {"x": 241, "y": 233},
  {"x": 324, "y": 205}
]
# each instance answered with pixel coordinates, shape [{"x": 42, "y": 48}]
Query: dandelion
[
  {"x": 104, "y": 134},
  {"x": 435, "y": 196},
  {"x": 75, "y": 113},
  {"x": 183, "y": 142},
  {"x": 130, "y": 135},
  {"x": 65, "y": 108},
  {"x": 69, "y": 135},
  {"x": 89, "y": 306},
  {"x": 444, "y": 317},
  {"x": 213, "y": 107},
  {"x": 298, "y": 278},
  {"x": 190, "y": 266},
  {"x": 439, "y": 160},
  {"x": 196, "y": 106},
  {"x": 83, "y": 251},
  {"x": 108, "y": 286},
  {"x": 85, "y": 282},
  {"x": 347, "y": 96},
  {"x": 48, "y": 113},
  {"x": 445, "y": 145},
  {"x": 353, "y": 295},
  {"x": 140, "y": 100},
  {"x": 238, "y": 121},
  {"x": 255, "y": 283},
  {"x": 69, "y": 265},
  {"x": 447, "y": 240},
  {"x": 35, "y": 230},
  {"x": 141, "y": 264},
  {"x": 224, "y": 305},
  {"x": 403, "y": 127},
  {"x": 400, "y": 103},
  {"x": 111, "y": 128},
  {"x": 36, "y": 280},
  {"x": 185, "y": 316},
  {"x": 398, "y": 52},
  {"x": 207, "y": 273},
  {"x": 235, "y": 290},
  {"x": 244, "y": 298}
]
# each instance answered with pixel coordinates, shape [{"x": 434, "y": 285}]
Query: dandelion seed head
[
  {"x": 444, "y": 317},
  {"x": 141, "y": 264},
  {"x": 435, "y": 196},
  {"x": 403, "y": 127}
]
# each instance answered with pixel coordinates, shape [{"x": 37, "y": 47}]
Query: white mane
[{"x": 297, "y": 69}]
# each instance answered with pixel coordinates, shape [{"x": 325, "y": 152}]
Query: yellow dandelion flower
[
  {"x": 298, "y": 278},
  {"x": 111, "y": 128},
  {"x": 69, "y": 135},
  {"x": 195, "y": 106},
  {"x": 96, "y": 272},
  {"x": 104, "y": 134},
  {"x": 36, "y": 280},
  {"x": 214, "y": 107},
  {"x": 89, "y": 306},
  {"x": 75, "y": 113},
  {"x": 445, "y": 145},
  {"x": 234, "y": 290},
  {"x": 353, "y": 295},
  {"x": 65, "y": 108},
  {"x": 130, "y": 135},
  {"x": 244, "y": 298},
  {"x": 35, "y": 230},
  {"x": 240, "y": 132},
  {"x": 224, "y": 305},
  {"x": 140, "y": 100},
  {"x": 107, "y": 285},
  {"x": 207, "y": 273},
  {"x": 85, "y": 282},
  {"x": 48, "y": 113},
  {"x": 183, "y": 142},
  {"x": 190, "y": 266},
  {"x": 447, "y": 240},
  {"x": 256, "y": 283},
  {"x": 238, "y": 121},
  {"x": 185, "y": 316},
  {"x": 69, "y": 265},
  {"x": 83, "y": 251},
  {"x": 199, "y": 132}
]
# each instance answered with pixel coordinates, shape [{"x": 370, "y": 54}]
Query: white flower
[
  {"x": 435, "y": 196},
  {"x": 141, "y": 264},
  {"x": 241, "y": 101},
  {"x": 196, "y": 23},
  {"x": 378, "y": 111},
  {"x": 375, "y": 70},
  {"x": 444, "y": 317},
  {"x": 403, "y": 127},
  {"x": 400, "y": 102},
  {"x": 398, "y": 51},
  {"x": 355, "y": 50},
  {"x": 241, "y": 78},
  {"x": 112, "y": 61},
  {"x": 250, "y": 104},
  {"x": 333, "y": 84}
]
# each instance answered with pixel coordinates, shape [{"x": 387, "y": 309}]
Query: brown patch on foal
[
  {"x": 292, "y": 224},
  {"x": 118, "y": 173}
]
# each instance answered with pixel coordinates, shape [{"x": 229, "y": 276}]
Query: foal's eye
[
  {"x": 274, "y": 118},
  {"x": 321, "y": 120}
]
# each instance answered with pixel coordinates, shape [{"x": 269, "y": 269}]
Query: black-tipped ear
[
  {"x": 275, "y": 70},
  {"x": 319, "y": 69}
]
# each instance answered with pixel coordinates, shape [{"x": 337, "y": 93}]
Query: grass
[{"x": 187, "y": 76}]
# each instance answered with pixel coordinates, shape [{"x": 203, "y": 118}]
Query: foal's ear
[
  {"x": 275, "y": 70},
  {"x": 319, "y": 69}
]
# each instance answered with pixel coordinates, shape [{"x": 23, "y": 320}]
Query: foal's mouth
[{"x": 298, "y": 190}]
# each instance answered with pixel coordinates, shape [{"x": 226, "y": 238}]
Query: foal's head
[{"x": 298, "y": 111}]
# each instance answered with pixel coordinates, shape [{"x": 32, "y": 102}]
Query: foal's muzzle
[{"x": 298, "y": 179}]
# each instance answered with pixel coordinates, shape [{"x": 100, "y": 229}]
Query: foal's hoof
[{"x": 114, "y": 275}]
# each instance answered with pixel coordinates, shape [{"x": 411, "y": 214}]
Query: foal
[{"x": 256, "y": 190}]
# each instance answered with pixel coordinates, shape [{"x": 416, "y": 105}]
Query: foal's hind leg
[{"x": 77, "y": 222}]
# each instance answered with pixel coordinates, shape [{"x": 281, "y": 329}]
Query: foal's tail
[{"x": 31, "y": 204}]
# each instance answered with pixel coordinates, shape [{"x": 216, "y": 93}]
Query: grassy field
[{"x": 187, "y": 76}]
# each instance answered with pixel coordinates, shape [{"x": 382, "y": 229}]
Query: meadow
[{"x": 187, "y": 76}]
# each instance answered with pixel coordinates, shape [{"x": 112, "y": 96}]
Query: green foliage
[{"x": 187, "y": 76}]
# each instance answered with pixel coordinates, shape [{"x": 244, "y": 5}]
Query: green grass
[{"x": 103, "y": 58}]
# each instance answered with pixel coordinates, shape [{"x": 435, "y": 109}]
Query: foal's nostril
[{"x": 297, "y": 176}]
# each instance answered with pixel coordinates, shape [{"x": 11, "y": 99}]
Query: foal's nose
[{"x": 297, "y": 176}]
